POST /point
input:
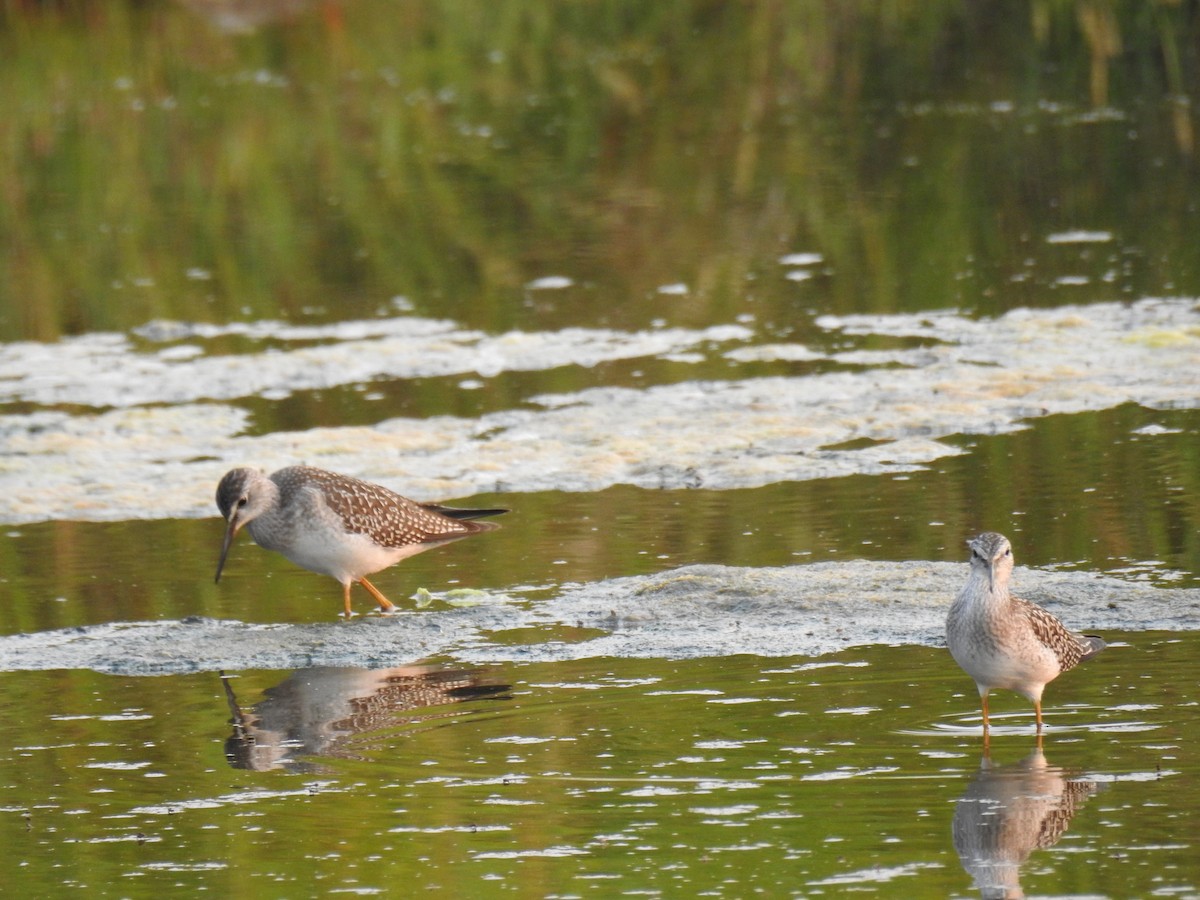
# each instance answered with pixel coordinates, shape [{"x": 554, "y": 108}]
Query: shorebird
[
  {"x": 1003, "y": 641},
  {"x": 337, "y": 525}
]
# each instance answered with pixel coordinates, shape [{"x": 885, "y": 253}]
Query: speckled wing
[
  {"x": 385, "y": 516},
  {"x": 1070, "y": 648},
  {"x": 1054, "y": 825},
  {"x": 406, "y": 692}
]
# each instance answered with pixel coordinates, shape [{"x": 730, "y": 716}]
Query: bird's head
[
  {"x": 991, "y": 555},
  {"x": 242, "y": 496}
]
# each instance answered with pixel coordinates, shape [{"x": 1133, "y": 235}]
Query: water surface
[
  {"x": 746, "y": 286},
  {"x": 792, "y": 775}
]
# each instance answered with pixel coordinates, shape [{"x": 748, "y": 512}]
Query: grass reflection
[{"x": 158, "y": 167}]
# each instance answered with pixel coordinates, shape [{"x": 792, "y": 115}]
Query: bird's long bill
[
  {"x": 990, "y": 567},
  {"x": 231, "y": 531}
]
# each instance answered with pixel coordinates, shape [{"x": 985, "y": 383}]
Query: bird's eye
[
  {"x": 1008, "y": 551},
  {"x": 242, "y": 501}
]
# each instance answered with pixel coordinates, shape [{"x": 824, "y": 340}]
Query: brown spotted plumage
[
  {"x": 337, "y": 525},
  {"x": 1070, "y": 648},
  {"x": 1002, "y": 641}
]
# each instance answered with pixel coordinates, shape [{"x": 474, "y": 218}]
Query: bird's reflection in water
[
  {"x": 1009, "y": 811},
  {"x": 322, "y": 712}
]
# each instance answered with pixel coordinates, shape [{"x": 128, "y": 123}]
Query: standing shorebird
[
  {"x": 1003, "y": 641},
  {"x": 337, "y": 525}
]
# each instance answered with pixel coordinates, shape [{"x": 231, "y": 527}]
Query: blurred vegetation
[{"x": 162, "y": 159}]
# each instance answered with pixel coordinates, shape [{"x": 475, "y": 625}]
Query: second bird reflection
[
  {"x": 1009, "y": 811},
  {"x": 320, "y": 712}
]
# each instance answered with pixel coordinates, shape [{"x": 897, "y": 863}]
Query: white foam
[
  {"x": 159, "y": 452},
  {"x": 107, "y": 370}
]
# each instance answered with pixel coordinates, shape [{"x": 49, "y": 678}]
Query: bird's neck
[
  {"x": 266, "y": 512},
  {"x": 991, "y": 598}
]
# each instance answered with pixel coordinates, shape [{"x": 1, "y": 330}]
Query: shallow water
[
  {"x": 874, "y": 412},
  {"x": 751, "y": 313},
  {"x": 799, "y": 776},
  {"x": 1124, "y": 505}
]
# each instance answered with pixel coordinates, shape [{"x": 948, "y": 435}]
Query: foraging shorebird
[
  {"x": 1003, "y": 641},
  {"x": 337, "y": 525}
]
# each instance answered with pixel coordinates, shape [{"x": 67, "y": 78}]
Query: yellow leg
[
  {"x": 983, "y": 698},
  {"x": 385, "y": 605},
  {"x": 346, "y": 599},
  {"x": 1037, "y": 708}
]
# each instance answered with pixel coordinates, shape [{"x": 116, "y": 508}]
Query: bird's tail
[
  {"x": 1094, "y": 645},
  {"x": 454, "y": 512}
]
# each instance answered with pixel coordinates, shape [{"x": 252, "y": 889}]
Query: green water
[
  {"x": 362, "y": 160},
  {"x": 717, "y": 777},
  {"x": 1128, "y": 505}
]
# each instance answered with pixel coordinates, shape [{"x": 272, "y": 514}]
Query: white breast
[{"x": 349, "y": 557}]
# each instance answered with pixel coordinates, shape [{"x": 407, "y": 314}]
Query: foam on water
[
  {"x": 969, "y": 377},
  {"x": 693, "y": 612},
  {"x": 109, "y": 370}
]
